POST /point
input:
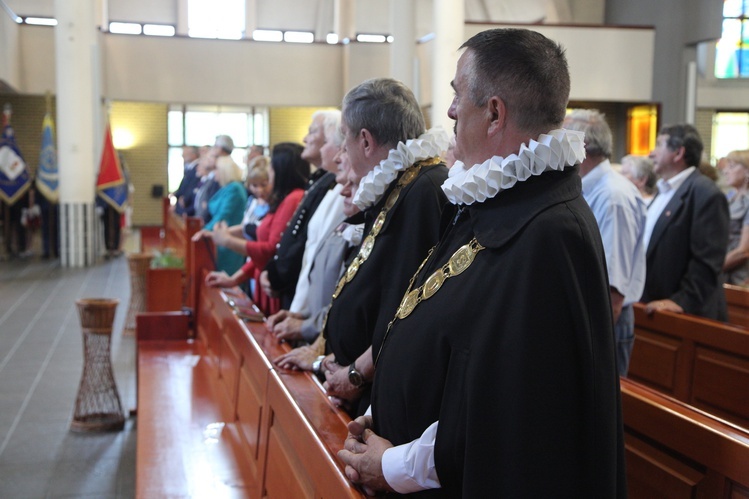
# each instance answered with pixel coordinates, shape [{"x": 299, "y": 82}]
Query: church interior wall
[
  {"x": 10, "y": 67},
  {"x": 147, "y": 157}
]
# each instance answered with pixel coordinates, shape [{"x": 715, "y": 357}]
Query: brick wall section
[
  {"x": 147, "y": 158},
  {"x": 28, "y": 114}
]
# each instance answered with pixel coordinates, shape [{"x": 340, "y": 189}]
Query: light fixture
[
  {"x": 332, "y": 38},
  {"x": 122, "y": 138},
  {"x": 367, "y": 38},
  {"x": 298, "y": 37},
  {"x": 125, "y": 28},
  {"x": 158, "y": 30},
  {"x": 41, "y": 21},
  {"x": 267, "y": 35}
]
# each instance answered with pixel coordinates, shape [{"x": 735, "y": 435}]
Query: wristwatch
[
  {"x": 317, "y": 365},
  {"x": 354, "y": 376}
]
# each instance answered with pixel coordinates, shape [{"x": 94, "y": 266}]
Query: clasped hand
[{"x": 362, "y": 453}]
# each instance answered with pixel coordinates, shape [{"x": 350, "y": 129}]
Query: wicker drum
[
  {"x": 97, "y": 407},
  {"x": 139, "y": 264}
]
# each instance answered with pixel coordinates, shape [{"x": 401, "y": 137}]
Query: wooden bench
[
  {"x": 676, "y": 451},
  {"x": 698, "y": 361},
  {"x": 170, "y": 289},
  {"x": 737, "y": 299},
  {"x": 277, "y": 433},
  {"x": 217, "y": 419}
]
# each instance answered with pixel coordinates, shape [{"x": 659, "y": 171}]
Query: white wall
[
  {"x": 10, "y": 69},
  {"x": 606, "y": 64},
  {"x": 152, "y": 69},
  {"x": 37, "y": 53},
  {"x": 220, "y": 72}
]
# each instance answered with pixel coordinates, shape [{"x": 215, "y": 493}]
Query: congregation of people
[{"x": 403, "y": 266}]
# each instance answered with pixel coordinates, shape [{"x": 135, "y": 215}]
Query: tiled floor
[{"x": 41, "y": 362}]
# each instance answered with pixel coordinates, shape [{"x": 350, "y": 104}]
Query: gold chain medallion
[
  {"x": 457, "y": 264},
  {"x": 367, "y": 246}
]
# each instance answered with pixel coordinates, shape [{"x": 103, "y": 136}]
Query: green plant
[{"x": 167, "y": 260}]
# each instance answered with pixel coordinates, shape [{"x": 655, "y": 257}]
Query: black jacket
[{"x": 283, "y": 269}]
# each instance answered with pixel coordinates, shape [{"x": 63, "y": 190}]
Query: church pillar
[
  {"x": 449, "y": 20},
  {"x": 403, "y": 48},
  {"x": 78, "y": 94},
  {"x": 344, "y": 22}
]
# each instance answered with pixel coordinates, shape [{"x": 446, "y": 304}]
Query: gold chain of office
[
  {"x": 409, "y": 174},
  {"x": 456, "y": 265}
]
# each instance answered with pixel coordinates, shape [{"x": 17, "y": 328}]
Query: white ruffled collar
[
  {"x": 430, "y": 144},
  {"x": 553, "y": 151}
]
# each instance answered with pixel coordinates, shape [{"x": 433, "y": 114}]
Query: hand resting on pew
[
  {"x": 664, "y": 305},
  {"x": 362, "y": 452},
  {"x": 337, "y": 386},
  {"x": 286, "y": 325},
  {"x": 298, "y": 359},
  {"x": 220, "y": 279}
]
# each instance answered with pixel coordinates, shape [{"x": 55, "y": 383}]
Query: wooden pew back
[
  {"x": 677, "y": 451},
  {"x": 698, "y": 361},
  {"x": 287, "y": 430},
  {"x": 737, "y": 299}
]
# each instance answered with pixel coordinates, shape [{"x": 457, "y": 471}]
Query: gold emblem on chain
[
  {"x": 457, "y": 264},
  {"x": 367, "y": 245}
]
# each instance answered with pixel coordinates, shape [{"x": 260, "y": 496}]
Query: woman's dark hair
[{"x": 290, "y": 171}]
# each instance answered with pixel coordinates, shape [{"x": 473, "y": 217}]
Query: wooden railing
[
  {"x": 698, "y": 361},
  {"x": 737, "y": 299},
  {"x": 167, "y": 291},
  {"x": 216, "y": 417},
  {"x": 676, "y": 451},
  {"x": 277, "y": 434}
]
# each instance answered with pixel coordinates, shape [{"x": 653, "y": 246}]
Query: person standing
[
  {"x": 686, "y": 234},
  {"x": 185, "y": 193},
  {"x": 736, "y": 171},
  {"x": 620, "y": 213},
  {"x": 497, "y": 375}
]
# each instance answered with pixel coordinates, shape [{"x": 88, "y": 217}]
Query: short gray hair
[
  {"x": 642, "y": 168},
  {"x": 598, "y": 138},
  {"x": 385, "y": 107}
]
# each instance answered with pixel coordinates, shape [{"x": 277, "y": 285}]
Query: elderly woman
[
  {"x": 639, "y": 171},
  {"x": 287, "y": 176},
  {"x": 736, "y": 265},
  {"x": 226, "y": 206}
]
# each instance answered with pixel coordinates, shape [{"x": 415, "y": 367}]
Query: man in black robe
[
  {"x": 399, "y": 173},
  {"x": 497, "y": 377}
]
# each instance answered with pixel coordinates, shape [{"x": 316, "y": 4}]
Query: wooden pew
[
  {"x": 701, "y": 362},
  {"x": 175, "y": 234},
  {"x": 278, "y": 434},
  {"x": 737, "y": 299},
  {"x": 676, "y": 451}
]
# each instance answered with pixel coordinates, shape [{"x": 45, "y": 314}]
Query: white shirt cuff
[{"x": 410, "y": 467}]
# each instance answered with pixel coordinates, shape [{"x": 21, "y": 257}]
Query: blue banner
[
  {"x": 14, "y": 176},
  {"x": 47, "y": 175}
]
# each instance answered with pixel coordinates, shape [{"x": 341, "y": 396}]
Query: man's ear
[
  {"x": 497, "y": 114},
  {"x": 367, "y": 142},
  {"x": 679, "y": 154}
]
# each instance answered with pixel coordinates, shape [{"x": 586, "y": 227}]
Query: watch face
[{"x": 355, "y": 377}]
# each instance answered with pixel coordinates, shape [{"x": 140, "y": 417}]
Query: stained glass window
[{"x": 732, "y": 51}]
